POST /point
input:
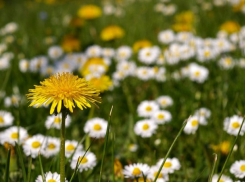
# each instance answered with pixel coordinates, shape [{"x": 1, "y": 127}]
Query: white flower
[
  {"x": 133, "y": 147},
  {"x": 170, "y": 165},
  {"x": 192, "y": 125},
  {"x": 147, "y": 108},
  {"x": 206, "y": 53},
  {"x": 184, "y": 36},
  {"x": 232, "y": 125},
  {"x": 87, "y": 161},
  {"x": 12, "y": 100},
  {"x": 4, "y": 63},
  {"x": 153, "y": 173},
  {"x": 38, "y": 63},
  {"x": 238, "y": 169},
  {"x": 203, "y": 114},
  {"x": 148, "y": 55},
  {"x": 65, "y": 65},
  {"x": 54, "y": 121},
  {"x": 23, "y": 65},
  {"x": 145, "y": 73},
  {"x": 55, "y": 52},
  {"x": 13, "y": 134},
  {"x": 32, "y": 146},
  {"x": 136, "y": 170},
  {"x": 72, "y": 146},
  {"x": 127, "y": 67},
  {"x": 161, "y": 116},
  {"x": 11, "y": 27},
  {"x": 123, "y": 53},
  {"x": 198, "y": 73},
  {"x": 223, "y": 178},
  {"x": 96, "y": 127},
  {"x": 6, "y": 118},
  {"x": 145, "y": 128},
  {"x": 51, "y": 147},
  {"x": 164, "y": 101},
  {"x": 108, "y": 52},
  {"x": 226, "y": 63},
  {"x": 49, "y": 177},
  {"x": 94, "y": 51},
  {"x": 166, "y": 36}
]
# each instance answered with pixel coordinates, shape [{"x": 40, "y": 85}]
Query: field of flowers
[{"x": 122, "y": 90}]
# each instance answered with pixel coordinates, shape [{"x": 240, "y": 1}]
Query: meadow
[{"x": 144, "y": 90}]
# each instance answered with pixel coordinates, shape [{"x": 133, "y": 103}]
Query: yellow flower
[
  {"x": 180, "y": 27},
  {"x": 111, "y": 32},
  {"x": 76, "y": 22},
  {"x": 141, "y": 44},
  {"x": 185, "y": 17},
  {"x": 223, "y": 147},
  {"x": 89, "y": 12},
  {"x": 92, "y": 61},
  {"x": 70, "y": 43},
  {"x": 239, "y": 6},
  {"x": 230, "y": 27},
  {"x": 118, "y": 169},
  {"x": 102, "y": 84},
  {"x": 141, "y": 179},
  {"x": 64, "y": 89}
]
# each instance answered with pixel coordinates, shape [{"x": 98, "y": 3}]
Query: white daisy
[
  {"x": 51, "y": 147},
  {"x": 123, "y": 53},
  {"x": 223, "y": 178},
  {"x": 226, "y": 63},
  {"x": 198, "y": 73},
  {"x": 37, "y": 63},
  {"x": 145, "y": 128},
  {"x": 6, "y": 118},
  {"x": 153, "y": 173},
  {"x": 232, "y": 125},
  {"x": 33, "y": 145},
  {"x": 149, "y": 55},
  {"x": 93, "y": 51},
  {"x": 136, "y": 170},
  {"x": 23, "y": 65},
  {"x": 144, "y": 73},
  {"x": 133, "y": 147},
  {"x": 238, "y": 169},
  {"x": 87, "y": 161},
  {"x": 108, "y": 52},
  {"x": 166, "y": 36},
  {"x": 192, "y": 125},
  {"x": 54, "y": 121},
  {"x": 55, "y": 52},
  {"x": 164, "y": 101},
  {"x": 96, "y": 127},
  {"x": 127, "y": 67},
  {"x": 49, "y": 177},
  {"x": 170, "y": 165},
  {"x": 161, "y": 116},
  {"x": 203, "y": 114},
  {"x": 72, "y": 146},
  {"x": 13, "y": 135},
  {"x": 13, "y": 100},
  {"x": 147, "y": 108}
]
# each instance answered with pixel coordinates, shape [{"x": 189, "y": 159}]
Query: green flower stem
[
  {"x": 229, "y": 155},
  {"x": 170, "y": 149},
  {"x": 214, "y": 166},
  {"x": 62, "y": 147}
]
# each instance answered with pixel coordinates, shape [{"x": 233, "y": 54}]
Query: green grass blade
[
  {"x": 214, "y": 166},
  {"x": 106, "y": 141},
  {"x": 41, "y": 166},
  {"x": 229, "y": 155},
  {"x": 170, "y": 149},
  {"x": 29, "y": 170},
  {"x": 7, "y": 166},
  {"x": 20, "y": 157},
  {"x": 112, "y": 157}
]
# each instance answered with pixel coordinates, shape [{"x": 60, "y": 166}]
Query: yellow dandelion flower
[
  {"x": 239, "y": 6},
  {"x": 102, "y": 83},
  {"x": 141, "y": 44},
  {"x": 70, "y": 43},
  {"x": 111, "y": 33},
  {"x": 230, "y": 27},
  {"x": 89, "y": 12},
  {"x": 64, "y": 89},
  {"x": 185, "y": 17}
]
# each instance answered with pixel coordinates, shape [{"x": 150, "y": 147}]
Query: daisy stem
[
  {"x": 170, "y": 149},
  {"x": 214, "y": 165},
  {"x": 62, "y": 147},
  {"x": 228, "y": 157},
  {"x": 7, "y": 166}
]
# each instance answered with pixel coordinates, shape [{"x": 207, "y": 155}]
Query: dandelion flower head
[{"x": 64, "y": 89}]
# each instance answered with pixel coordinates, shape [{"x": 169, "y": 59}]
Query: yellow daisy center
[
  {"x": 51, "y": 146},
  {"x": 70, "y": 147},
  {"x": 228, "y": 61},
  {"x": 148, "y": 54},
  {"x": 194, "y": 123},
  {"x": 51, "y": 180},
  {"x": 160, "y": 116},
  {"x": 57, "y": 120},
  {"x": 164, "y": 102},
  {"x": 36, "y": 144},
  {"x": 242, "y": 168},
  {"x": 145, "y": 127},
  {"x": 167, "y": 164},
  {"x": 207, "y": 54},
  {"x": 14, "y": 135},
  {"x": 1, "y": 119},
  {"x": 136, "y": 171},
  {"x": 160, "y": 175},
  {"x": 83, "y": 160},
  {"x": 148, "y": 108},
  {"x": 221, "y": 180},
  {"x": 235, "y": 125},
  {"x": 197, "y": 73},
  {"x": 97, "y": 127}
]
